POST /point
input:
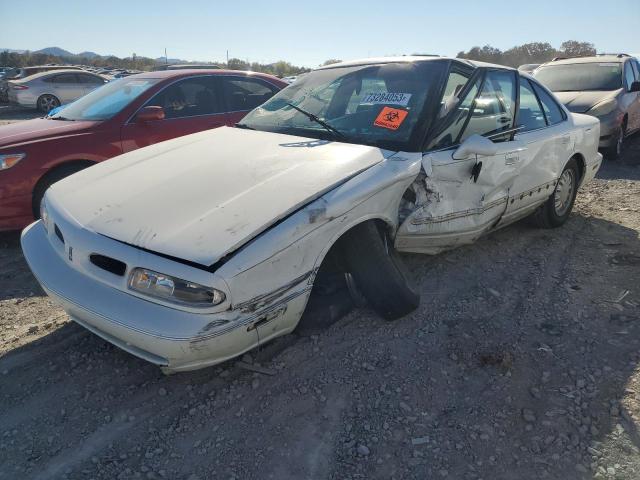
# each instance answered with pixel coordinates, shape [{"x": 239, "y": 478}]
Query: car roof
[
  {"x": 411, "y": 59},
  {"x": 36, "y": 76},
  {"x": 614, "y": 58},
  {"x": 162, "y": 74}
]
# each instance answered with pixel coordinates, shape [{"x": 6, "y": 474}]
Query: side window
[
  {"x": 90, "y": 79},
  {"x": 636, "y": 69},
  {"x": 449, "y": 135},
  {"x": 530, "y": 116},
  {"x": 493, "y": 110},
  {"x": 455, "y": 84},
  {"x": 246, "y": 93},
  {"x": 628, "y": 76},
  {"x": 552, "y": 111},
  {"x": 188, "y": 98},
  {"x": 65, "y": 78}
]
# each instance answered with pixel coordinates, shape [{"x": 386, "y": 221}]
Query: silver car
[
  {"x": 18, "y": 73},
  {"x": 48, "y": 90},
  {"x": 605, "y": 86}
]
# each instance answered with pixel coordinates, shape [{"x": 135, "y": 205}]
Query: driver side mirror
[
  {"x": 149, "y": 114},
  {"x": 635, "y": 87},
  {"x": 475, "y": 145}
]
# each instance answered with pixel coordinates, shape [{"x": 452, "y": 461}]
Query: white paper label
[{"x": 386, "y": 98}]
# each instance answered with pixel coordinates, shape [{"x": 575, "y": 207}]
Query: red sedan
[{"x": 124, "y": 115}]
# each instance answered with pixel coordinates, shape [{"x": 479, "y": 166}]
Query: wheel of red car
[
  {"x": 379, "y": 272},
  {"x": 52, "y": 177},
  {"x": 46, "y": 103}
]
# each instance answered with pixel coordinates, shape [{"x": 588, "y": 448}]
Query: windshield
[
  {"x": 579, "y": 77},
  {"x": 376, "y": 105},
  {"x": 106, "y": 101}
]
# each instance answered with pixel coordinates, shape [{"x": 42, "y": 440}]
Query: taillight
[{"x": 19, "y": 87}]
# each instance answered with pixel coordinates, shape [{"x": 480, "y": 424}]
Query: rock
[
  {"x": 528, "y": 415},
  {"x": 419, "y": 440},
  {"x": 162, "y": 392},
  {"x": 363, "y": 450}
]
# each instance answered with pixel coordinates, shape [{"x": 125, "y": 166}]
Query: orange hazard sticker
[{"x": 391, "y": 118}]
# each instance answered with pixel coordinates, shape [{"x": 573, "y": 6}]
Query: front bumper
[
  {"x": 609, "y": 128},
  {"x": 116, "y": 316}
]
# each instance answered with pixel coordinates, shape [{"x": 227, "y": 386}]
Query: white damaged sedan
[{"x": 195, "y": 250}]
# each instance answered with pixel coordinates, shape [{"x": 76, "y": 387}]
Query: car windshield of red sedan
[
  {"x": 105, "y": 102},
  {"x": 375, "y": 104}
]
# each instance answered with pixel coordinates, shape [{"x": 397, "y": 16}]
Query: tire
[
  {"x": 556, "y": 210},
  {"x": 50, "y": 178},
  {"x": 46, "y": 103},
  {"x": 379, "y": 272},
  {"x": 614, "y": 152}
]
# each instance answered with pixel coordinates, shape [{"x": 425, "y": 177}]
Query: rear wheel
[
  {"x": 379, "y": 272},
  {"x": 46, "y": 103},
  {"x": 556, "y": 210}
]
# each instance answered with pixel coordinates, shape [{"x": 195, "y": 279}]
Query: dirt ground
[{"x": 521, "y": 363}]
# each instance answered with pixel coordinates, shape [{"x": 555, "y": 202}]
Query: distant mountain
[
  {"x": 89, "y": 54},
  {"x": 61, "y": 52},
  {"x": 170, "y": 60},
  {"x": 57, "y": 51}
]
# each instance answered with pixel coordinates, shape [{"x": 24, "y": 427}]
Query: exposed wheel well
[
  {"x": 333, "y": 295},
  {"x": 56, "y": 173},
  {"x": 582, "y": 165}
]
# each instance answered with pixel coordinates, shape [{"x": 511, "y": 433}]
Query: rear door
[
  {"x": 191, "y": 105},
  {"x": 90, "y": 82},
  {"x": 243, "y": 93},
  {"x": 466, "y": 197},
  {"x": 67, "y": 87},
  {"x": 632, "y": 75}
]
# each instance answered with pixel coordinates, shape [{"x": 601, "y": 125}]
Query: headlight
[
  {"x": 8, "y": 160},
  {"x": 603, "y": 108},
  {"x": 44, "y": 214},
  {"x": 172, "y": 289}
]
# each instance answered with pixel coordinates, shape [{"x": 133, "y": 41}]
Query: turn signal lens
[
  {"x": 9, "y": 160},
  {"x": 172, "y": 289},
  {"x": 44, "y": 215}
]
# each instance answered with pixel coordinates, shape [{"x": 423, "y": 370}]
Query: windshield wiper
[
  {"x": 244, "y": 125},
  {"x": 62, "y": 118},
  {"x": 336, "y": 133}
]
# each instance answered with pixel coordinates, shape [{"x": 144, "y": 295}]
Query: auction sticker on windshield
[
  {"x": 391, "y": 118},
  {"x": 376, "y": 98}
]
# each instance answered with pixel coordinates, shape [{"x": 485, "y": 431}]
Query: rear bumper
[{"x": 113, "y": 314}]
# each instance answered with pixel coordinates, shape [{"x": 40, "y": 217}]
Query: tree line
[
  {"x": 26, "y": 59},
  {"x": 534, "y": 52}
]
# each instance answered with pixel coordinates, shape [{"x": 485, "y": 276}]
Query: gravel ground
[{"x": 521, "y": 363}]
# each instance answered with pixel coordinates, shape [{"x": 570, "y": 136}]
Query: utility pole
[
  {"x": 227, "y": 58},
  {"x": 166, "y": 60}
]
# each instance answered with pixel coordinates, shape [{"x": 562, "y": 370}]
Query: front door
[
  {"x": 458, "y": 199},
  {"x": 190, "y": 105}
]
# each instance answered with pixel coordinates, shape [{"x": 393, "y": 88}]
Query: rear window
[{"x": 578, "y": 77}]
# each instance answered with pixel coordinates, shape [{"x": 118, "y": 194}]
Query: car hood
[
  {"x": 30, "y": 131},
  {"x": 200, "y": 197},
  {"x": 580, "y": 102}
]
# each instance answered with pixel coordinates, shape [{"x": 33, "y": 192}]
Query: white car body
[{"x": 187, "y": 207}]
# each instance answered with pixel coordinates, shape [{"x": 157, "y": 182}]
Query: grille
[{"x": 109, "y": 264}]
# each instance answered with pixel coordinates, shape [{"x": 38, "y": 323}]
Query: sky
[{"x": 306, "y": 34}]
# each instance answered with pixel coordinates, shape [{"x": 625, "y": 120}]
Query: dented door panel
[{"x": 451, "y": 207}]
